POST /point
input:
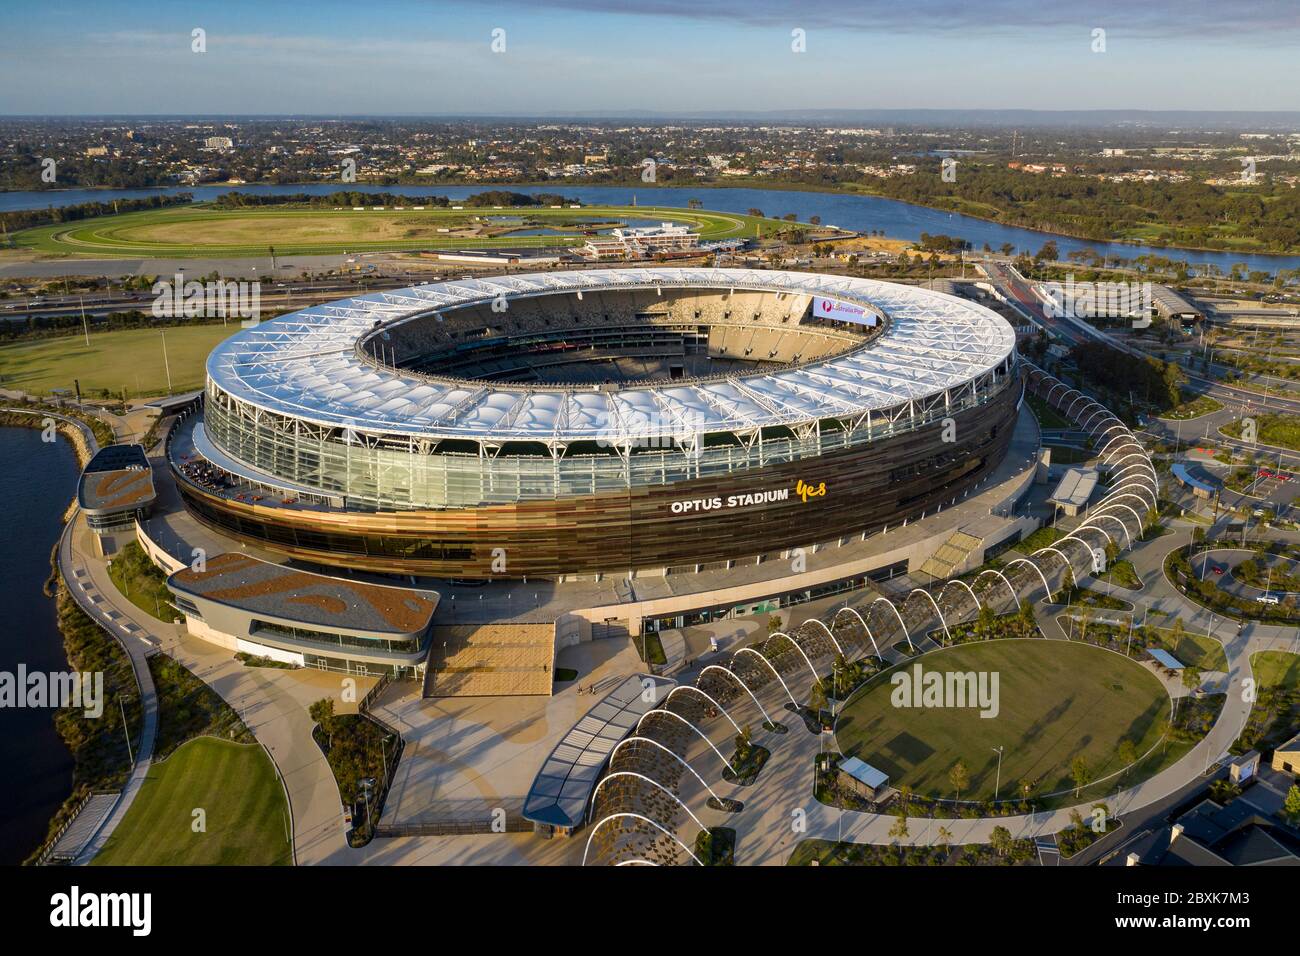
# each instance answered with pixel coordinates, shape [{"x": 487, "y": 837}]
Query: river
[
  {"x": 37, "y": 480},
  {"x": 899, "y": 220}
]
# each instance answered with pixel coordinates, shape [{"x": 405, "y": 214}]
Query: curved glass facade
[{"x": 399, "y": 472}]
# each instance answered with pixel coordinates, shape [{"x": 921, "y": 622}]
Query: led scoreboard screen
[{"x": 838, "y": 311}]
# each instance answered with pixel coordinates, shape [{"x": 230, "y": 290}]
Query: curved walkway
[
  {"x": 138, "y": 645},
  {"x": 272, "y": 703}
]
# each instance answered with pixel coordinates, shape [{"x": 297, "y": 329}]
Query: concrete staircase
[{"x": 952, "y": 555}]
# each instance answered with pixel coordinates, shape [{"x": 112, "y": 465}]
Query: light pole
[
  {"x": 997, "y": 785},
  {"x": 126, "y": 729},
  {"x": 166, "y": 367}
]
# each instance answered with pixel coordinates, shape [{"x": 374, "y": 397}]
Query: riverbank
[
  {"x": 900, "y": 218},
  {"x": 100, "y": 751},
  {"x": 97, "y": 745}
]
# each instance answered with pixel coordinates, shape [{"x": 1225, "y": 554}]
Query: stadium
[{"x": 615, "y": 421}]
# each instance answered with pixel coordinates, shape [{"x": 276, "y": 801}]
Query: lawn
[
  {"x": 1279, "y": 430},
  {"x": 1199, "y": 650},
  {"x": 1048, "y": 417},
  {"x": 139, "y": 580},
  {"x": 1040, "y": 538},
  {"x": 236, "y": 787},
  {"x": 1276, "y": 669},
  {"x": 1122, "y": 574},
  {"x": 130, "y": 359},
  {"x": 1193, "y": 407},
  {"x": 1057, "y": 701},
  {"x": 1068, "y": 455}
]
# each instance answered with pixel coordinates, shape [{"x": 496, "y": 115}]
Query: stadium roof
[
  {"x": 242, "y": 581},
  {"x": 118, "y": 478},
  {"x": 306, "y": 364}
]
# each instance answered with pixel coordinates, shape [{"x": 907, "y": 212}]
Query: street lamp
[{"x": 997, "y": 785}]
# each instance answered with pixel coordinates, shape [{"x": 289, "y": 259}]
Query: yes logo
[{"x": 805, "y": 491}]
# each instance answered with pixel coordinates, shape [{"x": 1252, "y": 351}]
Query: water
[
  {"x": 37, "y": 480},
  {"x": 899, "y": 220}
]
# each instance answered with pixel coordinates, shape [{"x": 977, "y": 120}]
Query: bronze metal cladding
[{"x": 865, "y": 488}]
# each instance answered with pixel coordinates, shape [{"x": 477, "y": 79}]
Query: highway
[{"x": 1019, "y": 292}]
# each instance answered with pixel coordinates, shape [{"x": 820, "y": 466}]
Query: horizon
[{"x": 515, "y": 60}]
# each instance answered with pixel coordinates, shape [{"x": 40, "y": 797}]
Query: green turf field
[
  {"x": 1274, "y": 668},
  {"x": 1057, "y": 700},
  {"x": 201, "y": 230},
  {"x": 234, "y": 784},
  {"x": 130, "y": 359}
]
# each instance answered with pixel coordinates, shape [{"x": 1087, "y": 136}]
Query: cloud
[{"x": 1207, "y": 19}]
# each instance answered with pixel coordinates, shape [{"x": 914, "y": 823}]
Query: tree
[
  {"x": 1001, "y": 840},
  {"x": 945, "y": 836},
  {"x": 1191, "y": 677},
  {"x": 1085, "y": 618},
  {"x": 1080, "y": 772},
  {"x": 743, "y": 742},
  {"x": 1127, "y": 753},
  {"x": 817, "y": 697},
  {"x": 959, "y": 776},
  {"x": 1291, "y": 805},
  {"x": 899, "y": 832}
]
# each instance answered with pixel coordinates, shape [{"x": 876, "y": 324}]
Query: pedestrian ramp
[{"x": 83, "y": 826}]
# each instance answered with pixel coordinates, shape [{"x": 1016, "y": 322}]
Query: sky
[{"x": 329, "y": 57}]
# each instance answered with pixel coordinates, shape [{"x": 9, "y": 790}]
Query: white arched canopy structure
[
  {"x": 994, "y": 571},
  {"x": 900, "y": 619},
  {"x": 639, "y": 816},
  {"x": 768, "y": 664}
]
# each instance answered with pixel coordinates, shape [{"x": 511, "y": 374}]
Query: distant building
[
  {"x": 1172, "y": 307},
  {"x": 219, "y": 142},
  {"x": 97, "y": 151},
  {"x": 641, "y": 242},
  {"x": 498, "y": 258}
]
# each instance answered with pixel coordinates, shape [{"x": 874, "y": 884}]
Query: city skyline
[{"x": 439, "y": 59}]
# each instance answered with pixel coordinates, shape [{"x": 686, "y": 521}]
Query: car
[
  {"x": 1265, "y": 473},
  {"x": 1218, "y": 569},
  {"x": 1267, "y": 599}
]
